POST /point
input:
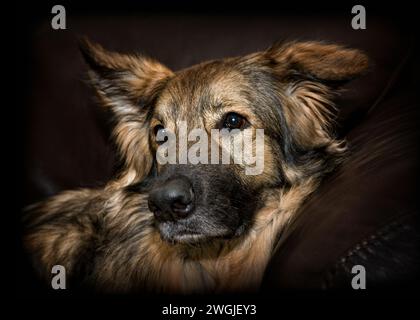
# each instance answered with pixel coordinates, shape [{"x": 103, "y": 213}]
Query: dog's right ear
[
  {"x": 127, "y": 84},
  {"x": 123, "y": 81}
]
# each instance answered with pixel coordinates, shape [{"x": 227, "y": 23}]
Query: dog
[{"x": 186, "y": 228}]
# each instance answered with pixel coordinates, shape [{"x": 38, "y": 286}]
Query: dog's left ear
[
  {"x": 318, "y": 61},
  {"x": 309, "y": 74}
]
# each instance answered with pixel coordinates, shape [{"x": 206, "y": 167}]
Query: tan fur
[
  {"x": 114, "y": 229},
  {"x": 325, "y": 61},
  {"x": 221, "y": 266}
]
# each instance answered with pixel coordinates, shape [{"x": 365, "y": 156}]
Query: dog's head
[{"x": 284, "y": 90}]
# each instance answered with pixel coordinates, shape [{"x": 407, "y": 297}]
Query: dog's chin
[
  {"x": 176, "y": 233},
  {"x": 186, "y": 238}
]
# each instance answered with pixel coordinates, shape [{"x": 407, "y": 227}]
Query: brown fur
[
  {"x": 146, "y": 261},
  {"x": 107, "y": 236}
]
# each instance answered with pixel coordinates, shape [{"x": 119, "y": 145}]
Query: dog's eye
[
  {"x": 234, "y": 121},
  {"x": 161, "y": 131}
]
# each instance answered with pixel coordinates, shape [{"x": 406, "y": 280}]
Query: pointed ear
[
  {"x": 123, "y": 80},
  {"x": 324, "y": 62},
  {"x": 126, "y": 84},
  {"x": 309, "y": 73}
]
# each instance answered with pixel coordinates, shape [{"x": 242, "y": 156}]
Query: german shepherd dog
[{"x": 184, "y": 228}]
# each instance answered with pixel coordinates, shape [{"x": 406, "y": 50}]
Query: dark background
[{"x": 63, "y": 137}]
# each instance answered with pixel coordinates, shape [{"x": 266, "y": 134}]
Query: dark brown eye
[
  {"x": 234, "y": 121},
  {"x": 161, "y": 131}
]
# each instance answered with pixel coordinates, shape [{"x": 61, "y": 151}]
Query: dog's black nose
[{"x": 173, "y": 200}]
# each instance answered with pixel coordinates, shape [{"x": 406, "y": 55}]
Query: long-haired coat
[{"x": 196, "y": 228}]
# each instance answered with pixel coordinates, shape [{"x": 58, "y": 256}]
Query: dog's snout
[{"x": 173, "y": 200}]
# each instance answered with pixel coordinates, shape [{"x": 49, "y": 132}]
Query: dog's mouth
[
  {"x": 175, "y": 232},
  {"x": 172, "y": 232}
]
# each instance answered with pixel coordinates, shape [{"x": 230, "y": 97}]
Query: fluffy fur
[{"x": 107, "y": 238}]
